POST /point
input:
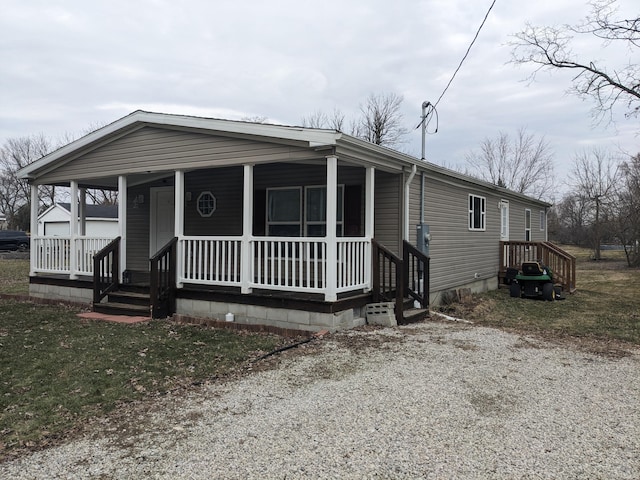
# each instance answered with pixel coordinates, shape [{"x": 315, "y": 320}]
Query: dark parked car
[{"x": 14, "y": 240}]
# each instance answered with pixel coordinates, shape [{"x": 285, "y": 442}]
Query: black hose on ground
[{"x": 289, "y": 347}]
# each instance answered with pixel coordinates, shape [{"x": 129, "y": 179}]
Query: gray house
[{"x": 283, "y": 226}]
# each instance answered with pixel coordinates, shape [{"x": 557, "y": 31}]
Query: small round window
[{"x": 206, "y": 204}]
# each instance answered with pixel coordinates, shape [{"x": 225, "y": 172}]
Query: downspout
[{"x": 407, "y": 184}]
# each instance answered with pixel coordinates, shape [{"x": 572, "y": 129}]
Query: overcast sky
[{"x": 69, "y": 65}]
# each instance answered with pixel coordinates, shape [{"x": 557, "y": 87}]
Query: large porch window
[
  {"x": 290, "y": 214},
  {"x": 284, "y": 212}
]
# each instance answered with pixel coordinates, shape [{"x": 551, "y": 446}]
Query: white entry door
[
  {"x": 162, "y": 221},
  {"x": 504, "y": 220}
]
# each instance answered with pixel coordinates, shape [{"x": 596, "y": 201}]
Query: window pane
[
  {"x": 284, "y": 205},
  {"x": 317, "y": 230},
  {"x": 284, "y": 230},
  {"x": 316, "y": 204}
]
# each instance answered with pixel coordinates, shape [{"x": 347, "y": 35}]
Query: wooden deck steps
[{"x": 132, "y": 300}]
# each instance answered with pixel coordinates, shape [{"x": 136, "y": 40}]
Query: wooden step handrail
[
  {"x": 387, "y": 272},
  {"x": 106, "y": 270},
  {"x": 416, "y": 274},
  {"x": 561, "y": 263},
  {"x": 163, "y": 280}
]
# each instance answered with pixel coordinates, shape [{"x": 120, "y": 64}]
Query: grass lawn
[
  {"x": 58, "y": 371},
  {"x": 14, "y": 276},
  {"x": 605, "y": 306}
]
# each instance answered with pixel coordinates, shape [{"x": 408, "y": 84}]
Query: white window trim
[
  {"x": 543, "y": 220},
  {"x": 483, "y": 214}
]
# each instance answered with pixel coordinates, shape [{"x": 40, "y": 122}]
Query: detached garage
[{"x": 102, "y": 220}]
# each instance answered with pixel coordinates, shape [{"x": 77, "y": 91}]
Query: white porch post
[
  {"x": 178, "y": 229},
  {"x": 35, "y": 249},
  {"x": 369, "y": 220},
  {"x": 83, "y": 211},
  {"x": 247, "y": 226},
  {"x": 73, "y": 229},
  {"x": 122, "y": 223},
  {"x": 331, "y": 294}
]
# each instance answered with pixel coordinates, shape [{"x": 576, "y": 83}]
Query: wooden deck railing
[
  {"x": 561, "y": 263},
  {"x": 106, "y": 270},
  {"x": 416, "y": 274},
  {"x": 163, "y": 280},
  {"x": 387, "y": 277}
]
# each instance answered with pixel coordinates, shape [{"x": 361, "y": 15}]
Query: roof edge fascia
[{"x": 313, "y": 137}]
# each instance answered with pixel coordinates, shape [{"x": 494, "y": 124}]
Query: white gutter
[{"x": 407, "y": 184}]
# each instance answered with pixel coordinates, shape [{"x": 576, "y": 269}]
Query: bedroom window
[{"x": 477, "y": 212}]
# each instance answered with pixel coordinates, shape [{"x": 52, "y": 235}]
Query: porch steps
[
  {"x": 132, "y": 300},
  {"x": 413, "y": 315}
]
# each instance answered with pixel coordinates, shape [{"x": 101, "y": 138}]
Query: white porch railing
[
  {"x": 53, "y": 254},
  {"x": 294, "y": 264},
  {"x": 210, "y": 260},
  {"x": 354, "y": 263},
  {"x": 285, "y": 263}
]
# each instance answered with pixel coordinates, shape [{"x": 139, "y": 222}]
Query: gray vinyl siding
[
  {"x": 458, "y": 254},
  {"x": 138, "y": 225},
  {"x": 517, "y": 223},
  {"x": 226, "y": 184},
  {"x": 388, "y": 210},
  {"x": 291, "y": 175},
  {"x": 157, "y": 149}
]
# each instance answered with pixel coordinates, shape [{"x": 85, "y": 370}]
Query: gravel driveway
[{"x": 432, "y": 400}]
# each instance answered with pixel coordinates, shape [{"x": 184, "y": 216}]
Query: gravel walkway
[{"x": 426, "y": 401}]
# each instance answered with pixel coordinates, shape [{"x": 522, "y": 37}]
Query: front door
[
  {"x": 162, "y": 222},
  {"x": 504, "y": 220}
]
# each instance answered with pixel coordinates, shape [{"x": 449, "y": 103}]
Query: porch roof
[
  {"x": 309, "y": 137},
  {"x": 346, "y": 147}
]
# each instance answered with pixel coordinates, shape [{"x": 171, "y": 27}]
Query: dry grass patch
[
  {"x": 605, "y": 307},
  {"x": 58, "y": 372}
]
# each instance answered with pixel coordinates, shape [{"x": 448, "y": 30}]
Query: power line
[{"x": 465, "y": 55}]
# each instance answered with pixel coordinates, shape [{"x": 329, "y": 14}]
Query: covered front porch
[
  {"x": 323, "y": 268},
  {"x": 328, "y": 265}
]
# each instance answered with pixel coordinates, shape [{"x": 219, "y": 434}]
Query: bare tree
[
  {"x": 317, "y": 119},
  {"x": 320, "y": 119},
  {"x": 255, "y": 119},
  {"x": 381, "y": 120},
  {"x": 551, "y": 48},
  {"x": 627, "y": 210},
  {"x": 595, "y": 175},
  {"x": 15, "y": 197},
  {"x": 572, "y": 220},
  {"x": 523, "y": 163}
]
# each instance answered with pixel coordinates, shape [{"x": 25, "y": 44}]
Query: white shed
[{"x": 101, "y": 220}]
